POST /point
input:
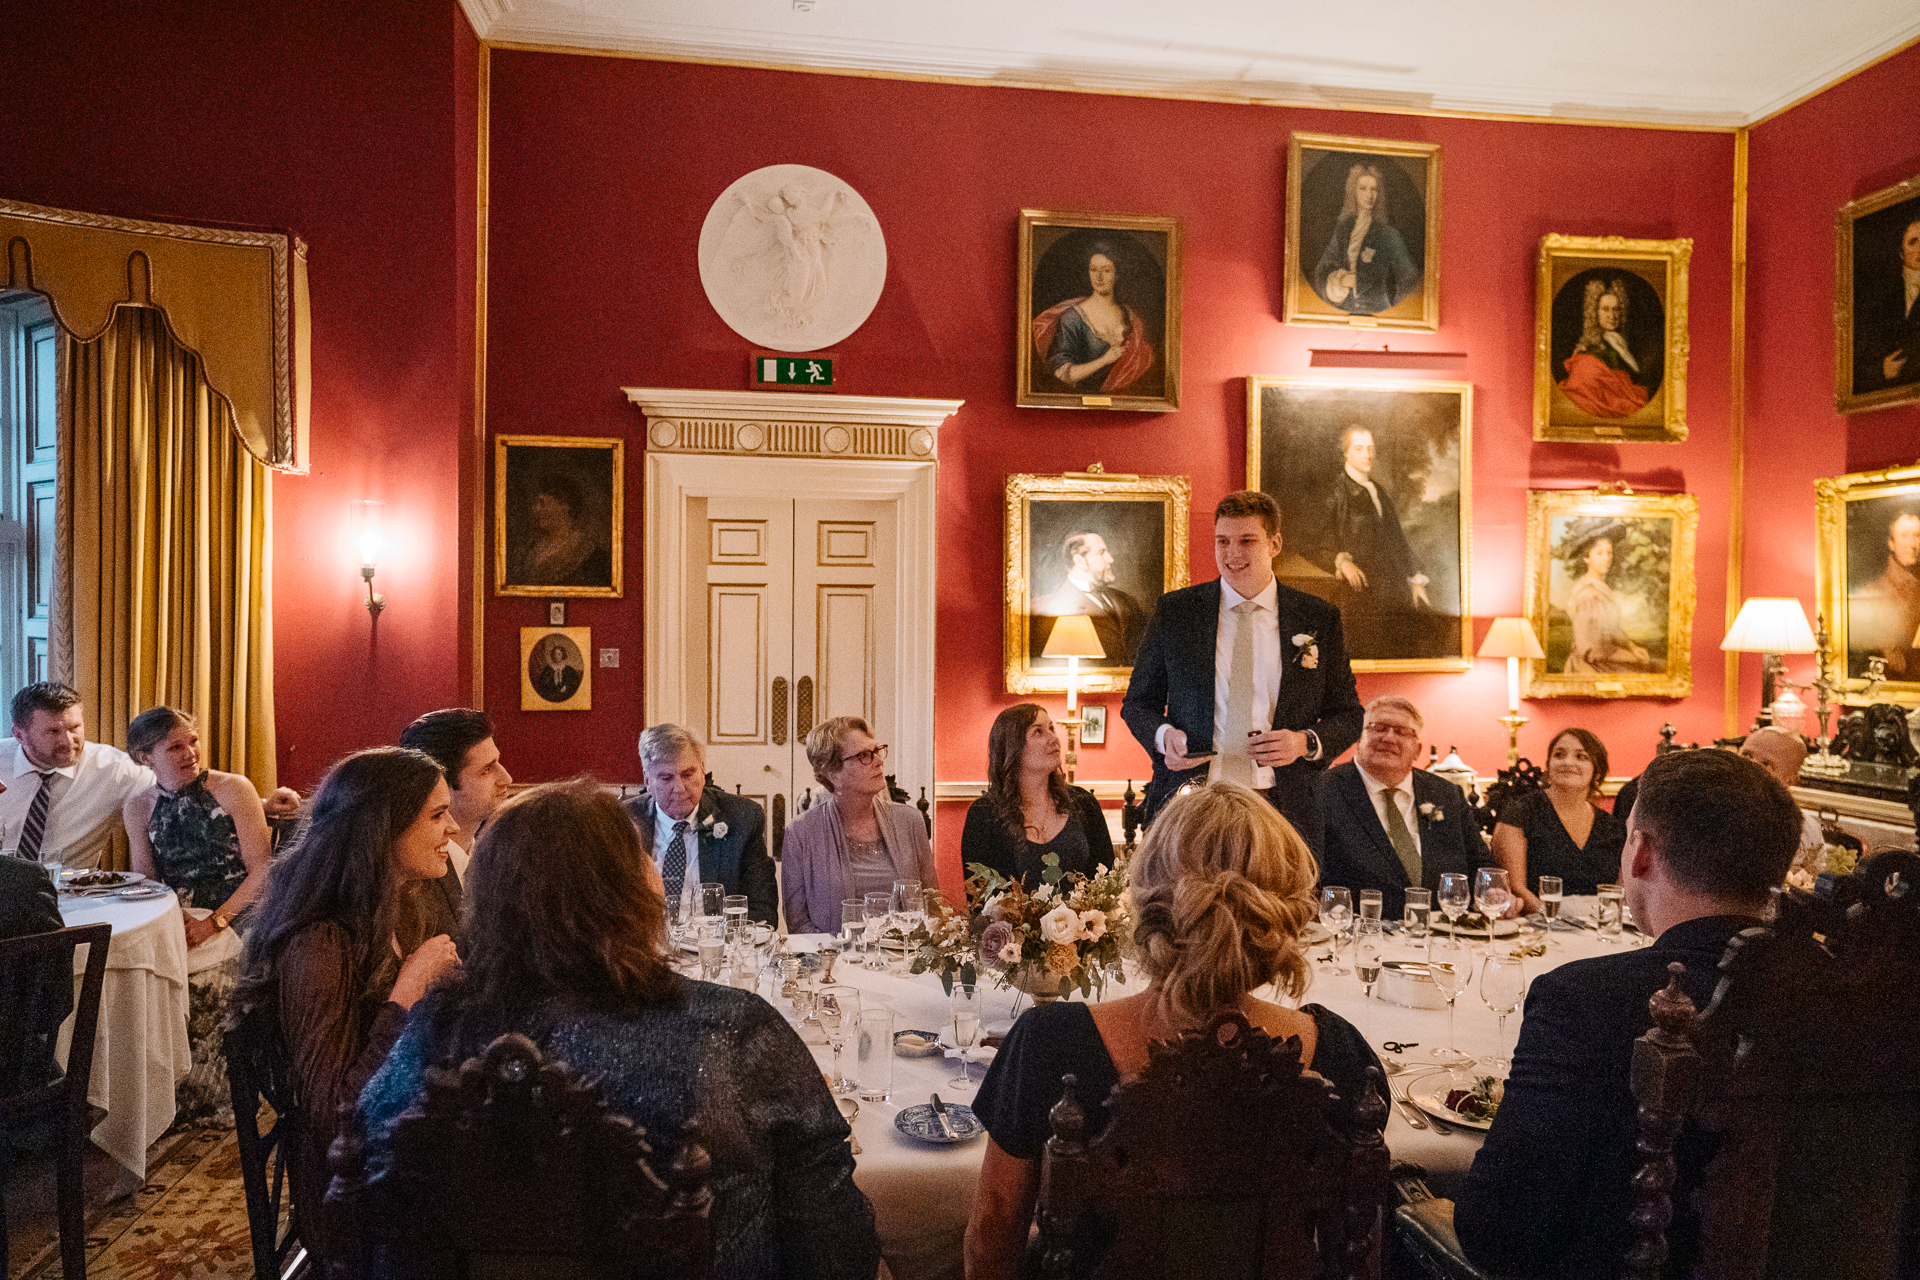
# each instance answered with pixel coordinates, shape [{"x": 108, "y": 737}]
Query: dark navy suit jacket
[
  {"x": 1173, "y": 678},
  {"x": 1358, "y": 854},
  {"x": 738, "y": 859}
]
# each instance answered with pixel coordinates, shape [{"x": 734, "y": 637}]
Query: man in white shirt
[
  {"x": 460, "y": 740},
  {"x": 60, "y": 795},
  {"x": 698, "y": 833},
  {"x": 1242, "y": 678},
  {"x": 1780, "y": 753}
]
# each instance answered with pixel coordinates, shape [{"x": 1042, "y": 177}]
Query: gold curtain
[{"x": 165, "y": 547}]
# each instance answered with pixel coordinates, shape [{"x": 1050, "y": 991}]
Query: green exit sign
[{"x": 792, "y": 373}]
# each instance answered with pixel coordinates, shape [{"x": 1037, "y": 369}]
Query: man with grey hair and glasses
[
  {"x": 1391, "y": 826},
  {"x": 695, "y": 832}
]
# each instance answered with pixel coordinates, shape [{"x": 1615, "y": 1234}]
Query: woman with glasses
[{"x": 853, "y": 840}]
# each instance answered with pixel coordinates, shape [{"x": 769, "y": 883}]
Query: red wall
[
  {"x": 603, "y": 171},
  {"x": 351, "y": 133},
  {"x": 1852, "y": 140}
]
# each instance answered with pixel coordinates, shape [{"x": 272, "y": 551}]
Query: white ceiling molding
[{"x": 1706, "y": 64}]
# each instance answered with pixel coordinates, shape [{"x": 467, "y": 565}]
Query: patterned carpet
[{"x": 188, "y": 1222}]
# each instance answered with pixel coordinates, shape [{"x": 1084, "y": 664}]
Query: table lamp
[
  {"x": 1073, "y": 639},
  {"x": 1771, "y": 626},
  {"x": 1512, "y": 639}
]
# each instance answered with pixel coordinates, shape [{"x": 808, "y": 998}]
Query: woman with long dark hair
[
  {"x": 1029, "y": 810},
  {"x": 335, "y": 955},
  {"x": 1560, "y": 831},
  {"x": 567, "y": 945}
]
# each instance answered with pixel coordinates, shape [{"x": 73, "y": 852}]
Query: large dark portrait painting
[
  {"x": 1105, "y": 546},
  {"x": 1610, "y": 352},
  {"x": 557, "y": 516},
  {"x": 1870, "y": 572},
  {"x": 1362, "y": 232},
  {"x": 1877, "y": 338},
  {"x": 1100, "y": 311},
  {"x": 1372, "y": 480}
]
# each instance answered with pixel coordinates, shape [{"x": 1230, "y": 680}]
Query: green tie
[{"x": 1401, "y": 838}]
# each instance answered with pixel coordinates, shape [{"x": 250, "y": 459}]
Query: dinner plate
[
  {"x": 1501, "y": 929},
  {"x": 920, "y": 1122},
  {"x": 1429, "y": 1093},
  {"x": 1315, "y": 934},
  {"x": 123, "y": 878},
  {"x": 141, "y": 892}
]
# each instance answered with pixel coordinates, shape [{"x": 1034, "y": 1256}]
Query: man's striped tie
[{"x": 36, "y": 828}]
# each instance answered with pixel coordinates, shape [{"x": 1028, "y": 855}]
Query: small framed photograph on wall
[
  {"x": 1363, "y": 232},
  {"x": 555, "y": 673},
  {"x": 1099, "y": 320},
  {"x": 1610, "y": 339},
  {"x": 1610, "y": 593},
  {"x": 1876, "y": 306},
  {"x": 557, "y": 515},
  {"x": 1093, "y": 724},
  {"x": 1107, "y": 546},
  {"x": 1374, "y": 483}
]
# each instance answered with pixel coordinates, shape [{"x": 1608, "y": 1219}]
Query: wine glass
[
  {"x": 1503, "y": 983},
  {"x": 907, "y": 903},
  {"x": 1453, "y": 976},
  {"x": 966, "y": 1030},
  {"x": 1551, "y": 895},
  {"x": 1456, "y": 895},
  {"x": 1493, "y": 894},
  {"x": 1366, "y": 955},
  {"x": 879, "y": 912},
  {"x": 1336, "y": 912},
  {"x": 838, "y": 1008}
]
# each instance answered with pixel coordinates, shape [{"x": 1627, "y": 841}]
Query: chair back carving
[
  {"x": 1223, "y": 1159},
  {"x": 258, "y": 1069},
  {"x": 1522, "y": 776},
  {"x": 1803, "y": 1075},
  {"x": 512, "y": 1166}
]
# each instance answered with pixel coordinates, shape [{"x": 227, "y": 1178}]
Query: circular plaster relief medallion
[{"x": 792, "y": 258}]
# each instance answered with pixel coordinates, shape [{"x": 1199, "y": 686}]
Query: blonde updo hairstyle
[{"x": 1221, "y": 888}]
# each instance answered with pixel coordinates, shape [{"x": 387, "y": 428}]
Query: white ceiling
[{"x": 1716, "y": 63}]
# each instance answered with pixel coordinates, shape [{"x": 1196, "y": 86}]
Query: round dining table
[
  {"x": 140, "y": 1048},
  {"x": 922, "y": 1193}
]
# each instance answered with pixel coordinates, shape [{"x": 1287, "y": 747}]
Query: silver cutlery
[
  {"x": 1408, "y": 1112},
  {"x": 940, "y": 1114}
]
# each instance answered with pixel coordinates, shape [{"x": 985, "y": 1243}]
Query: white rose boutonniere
[
  {"x": 1306, "y": 650},
  {"x": 717, "y": 830},
  {"x": 1430, "y": 811}
]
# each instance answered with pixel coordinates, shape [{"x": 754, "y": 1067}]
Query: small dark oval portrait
[
  {"x": 1363, "y": 231},
  {"x": 555, "y": 667},
  {"x": 1099, "y": 314},
  {"x": 1609, "y": 341}
]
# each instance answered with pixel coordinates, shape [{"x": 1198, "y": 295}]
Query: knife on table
[{"x": 940, "y": 1114}]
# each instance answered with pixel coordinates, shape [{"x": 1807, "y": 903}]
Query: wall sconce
[
  {"x": 1512, "y": 639},
  {"x": 1073, "y": 639},
  {"x": 370, "y": 541}
]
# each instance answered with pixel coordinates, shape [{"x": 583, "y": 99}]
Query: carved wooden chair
[
  {"x": 1223, "y": 1159},
  {"x": 1522, "y": 776},
  {"x": 512, "y": 1166},
  {"x": 258, "y": 1069}
]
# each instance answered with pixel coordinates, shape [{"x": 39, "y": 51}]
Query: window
[{"x": 29, "y": 435}]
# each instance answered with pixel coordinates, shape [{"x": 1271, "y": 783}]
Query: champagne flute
[
  {"x": 1366, "y": 955},
  {"x": 879, "y": 910},
  {"x": 1551, "y": 895},
  {"x": 1503, "y": 983},
  {"x": 1492, "y": 894},
  {"x": 839, "y": 1008},
  {"x": 966, "y": 1030},
  {"x": 1453, "y": 976},
  {"x": 1336, "y": 912}
]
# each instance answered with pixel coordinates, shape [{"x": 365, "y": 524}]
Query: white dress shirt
[
  {"x": 1377, "y": 792},
  {"x": 459, "y": 858},
  {"x": 86, "y": 801}
]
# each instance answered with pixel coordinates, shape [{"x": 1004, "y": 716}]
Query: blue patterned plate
[{"x": 920, "y": 1122}]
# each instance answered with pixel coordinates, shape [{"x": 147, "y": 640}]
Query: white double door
[{"x": 790, "y": 590}]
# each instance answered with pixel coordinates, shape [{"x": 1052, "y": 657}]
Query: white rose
[
  {"x": 719, "y": 831},
  {"x": 1060, "y": 924},
  {"x": 1302, "y": 639}
]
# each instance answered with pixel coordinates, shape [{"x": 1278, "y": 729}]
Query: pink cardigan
[{"x": 813, "y": 860}]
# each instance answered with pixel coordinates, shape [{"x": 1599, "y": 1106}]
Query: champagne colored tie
[
  {"x": 1235, "y": 764},
  {"x": 1401, "y": 838}
]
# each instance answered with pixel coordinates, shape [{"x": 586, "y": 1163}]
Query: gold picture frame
[
  {"x": 1868, "y": 526},
  {"x": 1058, "y": 273},
  {"x": 583, "y": 479},
  {"x": 1409, "y": 606},
  {"x": 1592, "y": 382},
  {"x": 1876, "y": 336},
  {"x": 1089, "y": 542},
  {"x": 1622, "y": 626},
  {"x": 556, "y": 668},
  {"x": 1390, "y": 279}
]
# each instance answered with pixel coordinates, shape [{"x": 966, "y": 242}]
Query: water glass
[
  {"x": 838, "y": 1009},
  {"x": 734, "y": 908},
  {"x": 1609, "y": 912},
  {"x": 1369, "y": 904},
  {"x": 966, "y": 1029},
  {"x": 873, "y": 1053},
  {"x": 1418, "y": 914},
  {"x": 853, "y": 928},
  {"x": 713, "y": 947},
  {"x": 713, "y": 898},
  {"x": 879, "y": 906}
]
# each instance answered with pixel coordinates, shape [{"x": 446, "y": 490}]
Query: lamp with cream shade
[
  {"x": 1512, "y": 639},
  {"x": 1073, "y": 639},
  {"x": 1771, "y": 626}
]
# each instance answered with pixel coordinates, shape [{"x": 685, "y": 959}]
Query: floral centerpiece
[{"x": 1066, "y": 933}]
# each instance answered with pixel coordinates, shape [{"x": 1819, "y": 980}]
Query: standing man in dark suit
[
  {"x": 1243, "y": 679},
  {"x": 1390, "y": 825},
  {"x": 1548, "y": 1195},
  {"x": 695, "y": 832},
  {"x": 460, "y": 740}
]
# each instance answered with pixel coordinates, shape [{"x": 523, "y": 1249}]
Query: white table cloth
[
  {"x": 922, "y": 1195},
  {"x": 140, "y": 1050}
]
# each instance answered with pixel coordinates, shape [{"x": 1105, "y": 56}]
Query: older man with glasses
[{"x": 1391, "y": 826}]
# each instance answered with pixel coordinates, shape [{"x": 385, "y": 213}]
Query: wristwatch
[
  {"x": 1313, "y": 745},
  {"x": 221, "y": 920}
]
